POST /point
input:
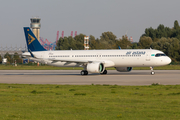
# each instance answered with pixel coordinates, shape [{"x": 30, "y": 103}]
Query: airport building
[{"x": 36, "y": 25}]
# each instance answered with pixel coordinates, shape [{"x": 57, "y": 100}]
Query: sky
[{"x": 90, "y": 17}]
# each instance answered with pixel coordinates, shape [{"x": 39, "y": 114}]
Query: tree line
[
  {"x": 107, "y": 41},
  {"x": 162, "y": 38}
]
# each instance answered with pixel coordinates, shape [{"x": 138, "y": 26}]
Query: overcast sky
[{"x": 90, "y": 17}]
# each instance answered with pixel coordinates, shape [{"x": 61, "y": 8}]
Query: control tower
[{"x": 36, "y": 25}]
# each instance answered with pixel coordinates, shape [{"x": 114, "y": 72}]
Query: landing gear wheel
[
  {"x": 84, "y": 72},
  {"x": 104, "y": 72},
  {"x": 152, "y": 71}
]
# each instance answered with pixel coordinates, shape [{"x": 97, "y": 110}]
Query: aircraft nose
[{"x": 168, "y": 60}]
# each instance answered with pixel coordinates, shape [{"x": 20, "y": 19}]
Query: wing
[
  {"x": 70, "y": 61},
  {"x": 107, "y": 63}
]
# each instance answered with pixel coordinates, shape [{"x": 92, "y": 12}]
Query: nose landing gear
[{"x": 152, "y": 71}]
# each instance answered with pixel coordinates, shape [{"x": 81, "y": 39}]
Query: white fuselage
[{"x": 110, "y": 58}]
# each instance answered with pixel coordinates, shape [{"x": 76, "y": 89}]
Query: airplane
[{"x": 94, "y": 61}]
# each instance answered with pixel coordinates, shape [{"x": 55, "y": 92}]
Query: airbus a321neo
[{"x": 95, "y": 61}]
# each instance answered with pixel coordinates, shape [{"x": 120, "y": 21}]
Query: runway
[{"x": 73, "y": 77}]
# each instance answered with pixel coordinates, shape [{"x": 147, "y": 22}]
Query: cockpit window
[{"x": 160, "y": 54}]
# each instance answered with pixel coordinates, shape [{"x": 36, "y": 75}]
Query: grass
[
  {"x": 46, "y": 67},
  {"x": 89, "y": 102}
]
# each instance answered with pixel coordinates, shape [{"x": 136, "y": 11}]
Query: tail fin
[{"x": 31, "y": 40}]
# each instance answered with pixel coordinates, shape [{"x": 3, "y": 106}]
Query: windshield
[{"x": 160, "y": 54}]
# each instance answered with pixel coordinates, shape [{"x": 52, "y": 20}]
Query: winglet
[{"x": 32, "y": 42}]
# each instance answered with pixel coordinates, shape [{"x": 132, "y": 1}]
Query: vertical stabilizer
[{"x": 31, "y": 40}]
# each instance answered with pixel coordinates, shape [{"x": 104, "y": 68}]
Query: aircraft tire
[
  {"x": 84, "y": 72},
  {"x": 152, "y": 73},
  {"x": 104, "y": 72}
]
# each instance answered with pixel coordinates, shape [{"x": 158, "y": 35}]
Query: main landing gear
[
  {"x": 104, "y": 72},
  {"x": 152, "y": 71},
  {"x": 84, "y": 72}
]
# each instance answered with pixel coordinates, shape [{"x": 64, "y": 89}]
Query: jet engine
[
  {"x": 95, "y": 67},
  {"x": 123, "y": 69}
]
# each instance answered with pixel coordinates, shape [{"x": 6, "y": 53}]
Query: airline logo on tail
[{"x": 30, "y": 39}]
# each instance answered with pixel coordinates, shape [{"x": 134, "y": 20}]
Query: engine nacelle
[
  {"x": 123, "y": 69},
  {"x": 95, "y": 67}
]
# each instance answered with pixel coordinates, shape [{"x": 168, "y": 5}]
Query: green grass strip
[{"x": 89, "y": 102}]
